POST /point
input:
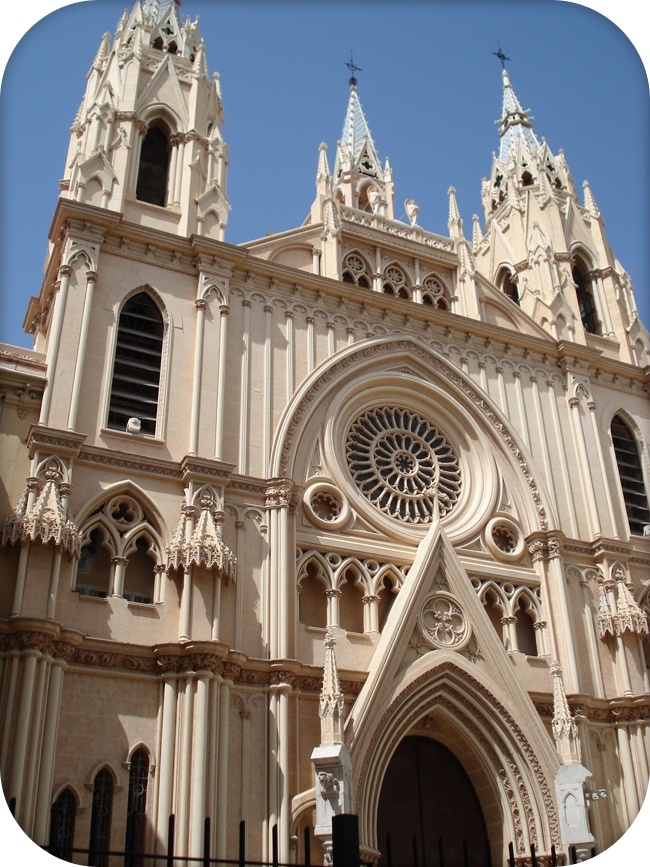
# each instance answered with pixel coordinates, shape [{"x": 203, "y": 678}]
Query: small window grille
[
  {"x": 630, "y": 473},
  {"x": 136, "y": 809},
  {"x": 136, "y": 371},
  {"x": 100, "y": 821},
  {"x": 63, "y": 815}
]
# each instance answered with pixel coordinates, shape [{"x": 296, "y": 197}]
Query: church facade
[{"x": 348, "y": 519}]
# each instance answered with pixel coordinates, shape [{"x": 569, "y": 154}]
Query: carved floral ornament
[
  {"x": 42, "y": 512},
  {"x": 618, "y": 612},
  {"x": 198, "y": 540},
  {"x": 442, "y": 622}
]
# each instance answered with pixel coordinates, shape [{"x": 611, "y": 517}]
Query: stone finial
[
  {"x": 331, "y": 706},
  {"x": 454, "y": 224},
  {"x": 565, "y": 731},
  {"x": 590, "y": 202},
  {"x": 629, "y": 617}
]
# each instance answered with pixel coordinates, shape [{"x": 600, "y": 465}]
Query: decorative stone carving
[
  {"x": 203, "y": 544},
  {"x": 42, "y": 512},
  {"x": 442, "y": 622},
  {"x": 402, "y": 464}
]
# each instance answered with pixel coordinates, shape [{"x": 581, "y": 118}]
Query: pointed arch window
[
  {"x": 154, "y": 165},
  {"x": 62, "y": 821},
  {"x": 586, "y": 302},
  {"x": 137, "y": 366},
  {"x": 134, "y": 845},
  {"x": 630, "y": 473},
  {"x": 508, "y": 285},
  {"x": 355, "y": 270},
  {"x": 100, "y": 820}
]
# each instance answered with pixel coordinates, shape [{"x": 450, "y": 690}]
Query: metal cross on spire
[
  {"x": 351, "y": 66},
  {"x": 501, "y": 57}
]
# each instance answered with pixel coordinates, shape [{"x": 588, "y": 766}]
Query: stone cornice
[
  {"x": 20, "y": 635},
  {"x": 137, "y": 463},
  {"x": 54, "y": 441},
  {"x": 598, "y": 711}
]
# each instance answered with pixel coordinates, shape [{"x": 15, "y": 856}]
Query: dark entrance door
[{"x": 429, "y": 814}]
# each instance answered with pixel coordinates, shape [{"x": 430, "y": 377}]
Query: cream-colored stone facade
[{"x": 379, "y": 493}]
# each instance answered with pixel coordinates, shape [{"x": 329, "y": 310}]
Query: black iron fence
[{"x": 345, "y": 852}]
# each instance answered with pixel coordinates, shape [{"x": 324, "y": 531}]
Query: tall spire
[
  {"x": 356, "y": 150},
  {"x": 516, "y": 127}
]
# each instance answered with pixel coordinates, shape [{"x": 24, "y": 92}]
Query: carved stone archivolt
[{"x": 338, "y": 370}]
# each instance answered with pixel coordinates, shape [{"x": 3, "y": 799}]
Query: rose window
[{"x": 402, "y": 464}]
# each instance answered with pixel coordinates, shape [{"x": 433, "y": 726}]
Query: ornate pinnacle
[
  {"x": 330, "y": 708},
  {"x": 565, "y": 731}
]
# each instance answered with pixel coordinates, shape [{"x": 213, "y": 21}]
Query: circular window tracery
[{"x": 402, "y": 464}]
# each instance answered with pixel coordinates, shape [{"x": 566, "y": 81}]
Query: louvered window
[
  {"x": 136, "y": 371},
  {"x": 630, "y": 473}
]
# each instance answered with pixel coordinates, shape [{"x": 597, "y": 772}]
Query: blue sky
[{"x": 430, "y": 86}]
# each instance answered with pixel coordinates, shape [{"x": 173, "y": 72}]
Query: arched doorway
[{"x": 429, "y": 813}]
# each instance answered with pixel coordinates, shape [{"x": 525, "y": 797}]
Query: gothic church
[{"x": 348, "y": 519}]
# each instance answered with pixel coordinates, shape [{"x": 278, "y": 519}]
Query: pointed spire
[
  {"x": 590, "y": 202},
  {"x": 102, "y": 53},
  {"x": 331, "y": 707},
  {"x": 516, "y": 127},
  {"x": 323, "y": 170},
  {"x": 356, "y": 149},
  {"x": 565, "y": 730},
  {"x": 200, "y": 61},
  {"x": 477, "y": 234},
  {"x": 454, "y": 224}
]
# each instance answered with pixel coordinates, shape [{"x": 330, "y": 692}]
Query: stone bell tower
[
  {"x": 146, "y": 141},
  {"x": 546, "y": 249}
]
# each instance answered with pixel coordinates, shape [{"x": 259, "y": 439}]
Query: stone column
[
  {"x": 91, "y": 279},
  {"x": 200, "y": 305},
  {"x": 224, "y": 310},
  {"x": 54, "y": 339}
]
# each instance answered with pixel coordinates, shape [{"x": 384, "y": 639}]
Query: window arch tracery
[
  {"x": 63, "y": 816},
  {"x": 121, "y": 553},
  {"x": 434, "y": 292},
  {"x": 356, "y": 270},
  {"x": 394, "y": 282}
]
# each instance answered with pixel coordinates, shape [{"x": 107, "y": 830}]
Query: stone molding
[{"x": 68, "y": 646}]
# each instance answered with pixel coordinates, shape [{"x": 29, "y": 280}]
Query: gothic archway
[{"x": 429, "y": 811}]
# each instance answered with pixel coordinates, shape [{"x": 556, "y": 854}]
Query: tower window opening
[
  {"x": 509, "y": 287},
  {"x": 526, "y": 179},
  {"x": 630, "y": 472},
  {"x": 136, "y": 370},
  {"x": 586, "y": 303},
  {"x": 154, "y": 166}
]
